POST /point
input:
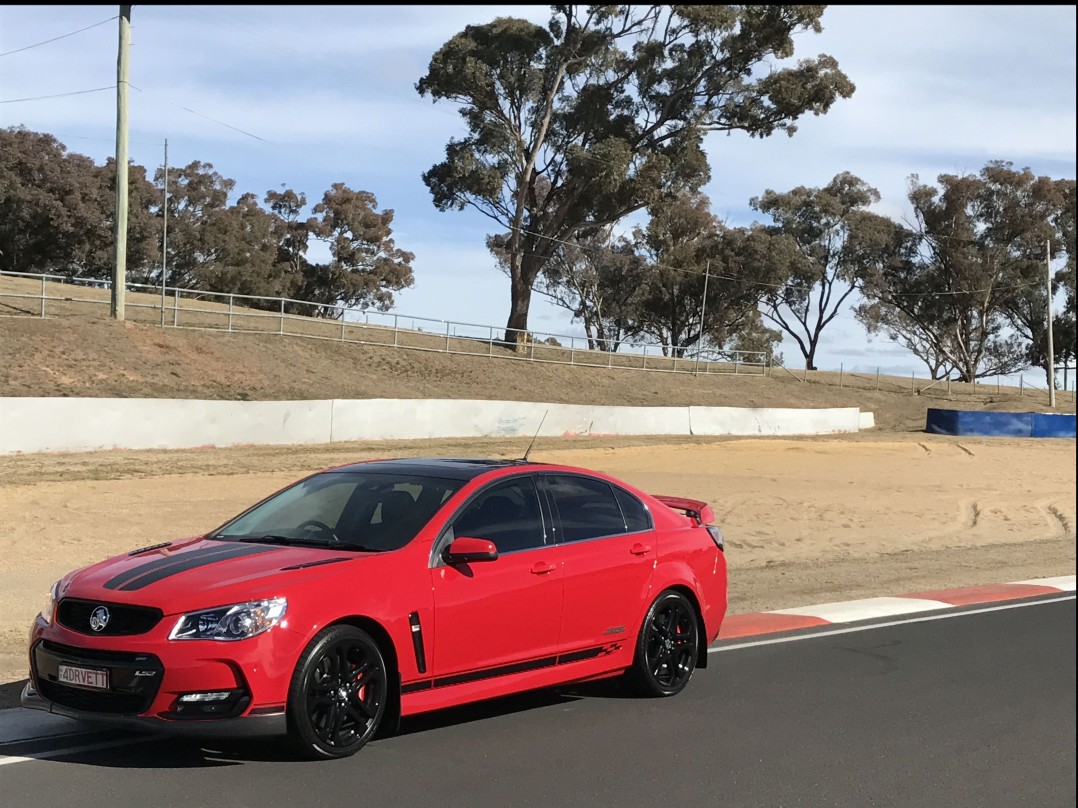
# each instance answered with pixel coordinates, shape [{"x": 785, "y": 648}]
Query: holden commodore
[{"x": 384, "y": 589}]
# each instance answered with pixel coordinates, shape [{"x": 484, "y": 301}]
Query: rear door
[
  {"x": 607, "y": 547},
  {"x": 494, "y": 617}
]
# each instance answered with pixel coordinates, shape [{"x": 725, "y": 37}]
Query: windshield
[{"x": 344, "y": 511}]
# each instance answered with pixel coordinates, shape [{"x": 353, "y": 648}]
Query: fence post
[
  {"x": 949, "y": 385},
  {"x": 1021, "y": 386},
  {"x": 447, "y": 337},
  {"x": 644, "y": 364},
  {"x": 490, "y": 341},
  {"x": 43, "y": 297},
  {"x": 282, "y": 318},
  {"x": 877, "y": 378},
  {"x": 841, "y": 368},
  {"x": 175, "y": 307},
  {"x": 396, "y": 326},
  {"x": 737, "y": 359},
  {"x": 913, "y": 382},
  {"x": 997, "y": 384},
  {"x": 230, "y": 300},
  {"x": 609, "y": 355},
  {"x": 572, "y": 350},
  {"x": 343, "y": 310}
]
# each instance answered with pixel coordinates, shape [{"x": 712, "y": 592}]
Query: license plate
[{"x": 90, "y": 678}]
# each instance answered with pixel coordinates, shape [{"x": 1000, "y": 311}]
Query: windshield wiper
[{"x": 274, "y": 538}]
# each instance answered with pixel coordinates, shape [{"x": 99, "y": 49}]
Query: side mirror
[{"x": 465, "y": 550}]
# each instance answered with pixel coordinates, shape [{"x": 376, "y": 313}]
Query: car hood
[{"x": 200, "y": 573}]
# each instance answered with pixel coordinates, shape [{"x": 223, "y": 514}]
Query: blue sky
[{"x": 329, "y": 93}]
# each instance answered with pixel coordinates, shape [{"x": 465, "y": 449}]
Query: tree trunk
[
  {"x": 516, "y": 330},
  {"x": 810, "y": 358}
]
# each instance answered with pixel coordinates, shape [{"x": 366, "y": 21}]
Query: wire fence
[
  {"x": 56, "y": 296},
  {"x": 45, "y": 296}
]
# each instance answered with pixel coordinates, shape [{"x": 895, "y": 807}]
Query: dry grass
[{"x": 218, "y": 350}]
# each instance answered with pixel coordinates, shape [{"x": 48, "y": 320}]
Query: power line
[
  {"x": 57, "y": 95},
  {"x": 207, "y": 117},
  {"x": 56, "y": 38}
]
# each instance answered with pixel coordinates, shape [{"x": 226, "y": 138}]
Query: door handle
[
  {"x": 640, "y": 549},
  {"x": 542, "y": 568}
]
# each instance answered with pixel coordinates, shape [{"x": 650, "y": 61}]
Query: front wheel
[
  {"x": 666, "y": 648},
  {"x": 337, "y": 696}
]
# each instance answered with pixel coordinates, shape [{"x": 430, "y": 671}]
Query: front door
[{"x": 500, "y": 616}]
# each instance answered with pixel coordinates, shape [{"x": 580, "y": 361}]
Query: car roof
[{"x": 452, "y": 468}]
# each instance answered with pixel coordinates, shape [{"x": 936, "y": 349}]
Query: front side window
[
  {"x": 587, "y": 508},
  {"x": 345, "y": 510},
  {"x": 507, "y": 514}
]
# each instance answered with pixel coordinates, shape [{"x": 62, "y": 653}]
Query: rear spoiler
[{"x": 693, "y": 508}]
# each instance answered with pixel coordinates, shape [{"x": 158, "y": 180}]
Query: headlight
[
  {"x": 49, "y": 608},
  {"x": 236, "y": 622}
]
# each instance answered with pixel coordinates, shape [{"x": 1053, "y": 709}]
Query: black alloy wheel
[
  {"x": 337, "y": 697},
  {"x": 667, "y": 648}
]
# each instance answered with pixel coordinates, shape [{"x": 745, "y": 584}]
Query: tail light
[{"x": 716, "y": 536}]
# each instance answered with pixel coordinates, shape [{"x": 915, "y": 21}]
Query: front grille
[
  {"x": 97, "y": 655},
  {"x": 124, "y": 620},
  {"x": 93, "y": 701}
]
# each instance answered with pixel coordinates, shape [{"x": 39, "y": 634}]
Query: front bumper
[
  {"x": 146, "y": 677},
  {"x": 256, "y": 724}
]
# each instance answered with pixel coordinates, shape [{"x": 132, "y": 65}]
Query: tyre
[
  {"x": 337, "y": 696},
  {"x": 666, "y": 647}
]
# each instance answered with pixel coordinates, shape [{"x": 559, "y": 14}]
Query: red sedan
[{"x": 384, "y": 589}]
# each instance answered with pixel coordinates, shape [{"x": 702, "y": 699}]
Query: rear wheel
[
  {"x": 666, "y": 648},
  {"x": 337, "y": 697}
]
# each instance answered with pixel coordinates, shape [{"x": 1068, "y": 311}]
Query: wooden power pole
[{"x": 119, "y": 270}]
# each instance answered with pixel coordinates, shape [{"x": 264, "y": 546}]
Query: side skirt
[{"x": 449, "y": 691}]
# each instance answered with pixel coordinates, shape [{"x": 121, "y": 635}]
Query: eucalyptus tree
[
  {"x": 704, "y": 281},
  {"x": 827, "y": 249},
  {"x": 601, "y": 112},
  {"x": 975, "y": 251},
  {"x": 366, "y": 266}
]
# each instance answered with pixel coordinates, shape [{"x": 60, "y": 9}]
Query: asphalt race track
[{"x": 977, "y": 709}]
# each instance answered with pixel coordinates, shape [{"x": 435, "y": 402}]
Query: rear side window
[
  {"x": 636, "y": 515},
  {"x": 587, "y": 507}
]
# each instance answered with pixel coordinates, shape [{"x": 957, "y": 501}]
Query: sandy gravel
[{"x": 807, "y": 520}]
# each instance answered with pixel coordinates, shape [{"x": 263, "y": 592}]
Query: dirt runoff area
[{"x": 807, "y": 520}]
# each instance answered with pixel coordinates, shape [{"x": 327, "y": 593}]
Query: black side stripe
[
  {"x": 167, "y": 572},
  {"x": 504, "y": 670},
  {"x": 150, "y": 566}
]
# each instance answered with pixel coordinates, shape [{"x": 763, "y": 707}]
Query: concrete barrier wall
[
  {"x": 772, "y": 421},
  {"x": 375, "y": 419},
  {"x": 87, "y": 424}
]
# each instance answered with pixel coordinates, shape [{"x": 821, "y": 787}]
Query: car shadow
[{"x": 122, "y": 749}]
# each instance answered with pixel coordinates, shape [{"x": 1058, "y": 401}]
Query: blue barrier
[
  {"x": 999, "y": 424},
  {"x": 1050, "y": 425}
]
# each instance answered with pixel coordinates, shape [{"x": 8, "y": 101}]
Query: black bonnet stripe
[
  {"x": 190, "y": 564},
  {"x": 168, "y": 561}
]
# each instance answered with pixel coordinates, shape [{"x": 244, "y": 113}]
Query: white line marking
[
  {"x": 70, "y": 750},
  {"x": 865, "y": 609},
  {"x": 852, "y": 629}
]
